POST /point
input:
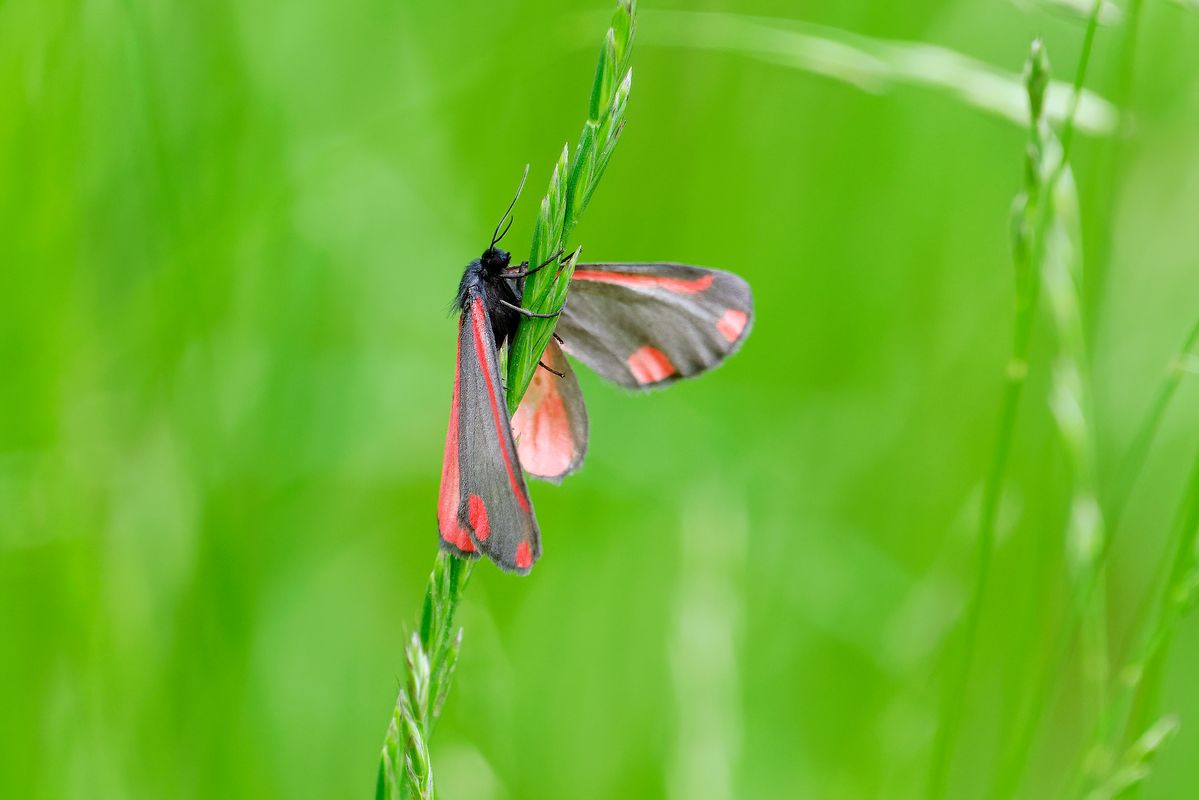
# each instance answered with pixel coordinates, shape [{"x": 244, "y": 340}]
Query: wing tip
[
  {"x": 744, "y": 327},
  {"x": 559, "y": 477},
  {"x": 520, "y": 562},
  {"x": 455, "y": 550},
  {"x": 574, "y": 466}
]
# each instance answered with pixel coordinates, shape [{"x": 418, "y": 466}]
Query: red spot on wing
[
  {"x": 732, "y": 324},
  {"x": 545, "y": 442},
  {"x": 477, "y": 319},
  {"x": 477, "y": 515},
  {"x": 650, "y": 365},
  {"x": 524, "y": 556},
  {"x": 448, "y": 525},
  {"x": 463, "y": 541},
  {"x": 677, "y": 285}
]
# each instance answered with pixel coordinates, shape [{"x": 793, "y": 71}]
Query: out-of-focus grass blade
[
  {"x": 1109, "y": 13},
  {"x": 874, "y": 64},
  {"x": 1070, "y": 396},
  {"x": 1135, "y": 767}
]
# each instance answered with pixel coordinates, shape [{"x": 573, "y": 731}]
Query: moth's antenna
[
  {"x": 496, "y": 239},
  {"x": 498, "y": 234}
]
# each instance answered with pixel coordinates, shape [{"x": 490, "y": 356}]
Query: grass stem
[
  {"x": 1015, "y": 763},
  {"x": 405, "y": 768},
  {"x": 1029, "y": 256}
]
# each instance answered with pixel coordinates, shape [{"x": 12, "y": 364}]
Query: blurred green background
[{"x": 230, "y": 234}]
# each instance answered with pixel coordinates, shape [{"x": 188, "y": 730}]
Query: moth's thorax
[
  {"x": 485, "y": 271},
  {"x": 485, "y": 279}
]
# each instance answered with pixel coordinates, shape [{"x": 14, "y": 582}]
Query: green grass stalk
[
  {"x": 405, "y": 767},
  {"x": 1015, "y": 762},
  {"x": 572, "y": 184},
  {"x": 1032, "y": 227},
  {"x": 1138, "y": 452},
  {"x": 1176, "y": 597},
  {"x": 1027, "y": 296},
  {"x": 1126, "y": 728},
  {"x": 1140, "y": 687},
  {"x": 1120, "y": 146},
  {"x": 1130, "y": 466}
]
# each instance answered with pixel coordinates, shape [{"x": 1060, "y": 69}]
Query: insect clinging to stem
[{"x": 639, "y": 325}]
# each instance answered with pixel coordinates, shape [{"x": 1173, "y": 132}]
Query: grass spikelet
[
  {"x": 572, "y": 183},
  {"x": 405, "y": 769}
]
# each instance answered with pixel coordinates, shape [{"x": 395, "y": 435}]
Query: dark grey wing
[
  {"x": 550, "y": 425},
  {"x": 483, "y": 492},
  {"x": 648, "y": 325}
]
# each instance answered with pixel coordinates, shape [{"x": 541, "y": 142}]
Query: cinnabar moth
[{"x": 638, "y": 325}]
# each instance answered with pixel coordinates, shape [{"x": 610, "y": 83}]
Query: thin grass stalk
[
  {"x": 1027, "y": 289},
  {"x": 1027, "y": 295},
  {"x": 875, "y": 65},
  {"x": 405, "y": 768},
  {"x": 1143, "y": 676},
  {"x": 1119, "y": 153},
  {"x": 572, "y": 185},
  {"x": 1133, "y": 768},
  {"x": 1073, "y": 410},
  {"x": 1138, "y": 452},
  {"x": 1125, "y": 727},
  {"x": 1131, "y": 466}
]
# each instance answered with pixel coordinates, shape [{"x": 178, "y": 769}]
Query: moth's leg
[
  {"x": 522, "y": 269},
  {"x": 526, "y": 312},
  {"x": 543, "y": 365}
]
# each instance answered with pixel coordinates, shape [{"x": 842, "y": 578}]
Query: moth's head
[{"x": 495, "y": 260}]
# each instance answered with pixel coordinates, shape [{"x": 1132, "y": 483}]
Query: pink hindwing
[{"x": 550, "y": 425}]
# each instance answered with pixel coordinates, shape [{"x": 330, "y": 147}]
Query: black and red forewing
[
  {"x": 484, "y": 503},
  {"x": 551, "y": 423},
  {"x": 648, "y": 325}
]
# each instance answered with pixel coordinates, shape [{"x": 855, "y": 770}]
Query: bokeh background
[{"x": 229, "y": 237}]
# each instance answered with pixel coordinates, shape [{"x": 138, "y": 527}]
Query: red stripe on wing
[
  {"x": 650, "y": 365},
  {"x": 524, "y": 556},
  {"x": 677, "y": 285},
  {"x": 448, "y": 500},
  {"x": 477, "y": 515},
  {"x": 478, "y": 319},
  {"x": 731, "y": 324}
]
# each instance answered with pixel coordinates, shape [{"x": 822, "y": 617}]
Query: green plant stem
[
  {"x": 1137, "y": 690},
  {"x": 1134, "y": 461},
  {"x": 1014, "y": 382},
  {"x": 1015, "y": 763},
  {"x": 572, "y": 185},
  {"x": 1119, "y": 153},
  {"x": 1084, "y": 60},
  {"x": 953, "y": 705},
  {"x": 1169, "y": 608},
  {"x": 405, "y": 769}
]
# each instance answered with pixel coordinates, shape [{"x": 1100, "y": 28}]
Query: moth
[{"x": 641, "y": 326}]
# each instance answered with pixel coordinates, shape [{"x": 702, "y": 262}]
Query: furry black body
[{"x": 489, "y": 277}]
